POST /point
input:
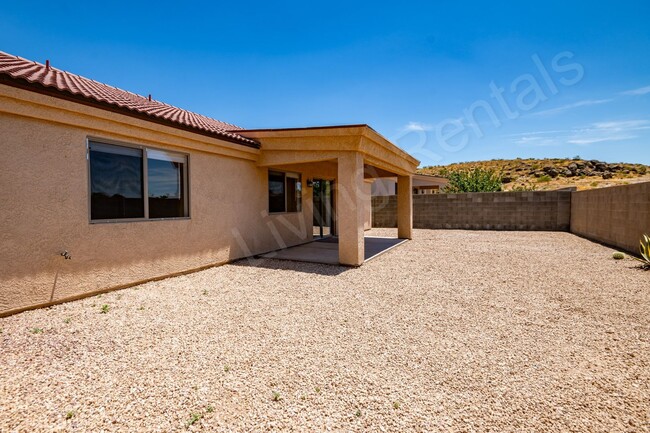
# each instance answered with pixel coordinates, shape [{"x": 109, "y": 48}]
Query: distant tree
[{"x": 473, "y": 180}]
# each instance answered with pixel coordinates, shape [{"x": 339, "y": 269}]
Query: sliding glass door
[{"x": 323, "y": 208}]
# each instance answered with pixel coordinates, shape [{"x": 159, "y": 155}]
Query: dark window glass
[
  {"x": 294, "y": 194},
  {"x": 166, "y": 175},
  {"x": 276, "y": 192},
  {"x": 116, "y": 178}
]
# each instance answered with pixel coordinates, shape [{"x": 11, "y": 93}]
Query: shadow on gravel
[{"x": 306, "y": 267}]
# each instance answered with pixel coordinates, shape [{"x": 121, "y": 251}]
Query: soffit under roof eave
[{"x": 313, "y": 144}]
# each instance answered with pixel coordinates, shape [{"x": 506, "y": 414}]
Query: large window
[
  {"x": 121, "y": 177},
  {"x": 285, "y": 192}
]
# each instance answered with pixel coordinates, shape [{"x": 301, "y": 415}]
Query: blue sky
[{"x": 574, "y": 77}]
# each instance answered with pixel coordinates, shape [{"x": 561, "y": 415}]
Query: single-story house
[
  {"x": 421, "y": 184},
  {"x": 131, "y": 189}
]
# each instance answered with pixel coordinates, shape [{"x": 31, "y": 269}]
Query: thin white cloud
[
  {"x": 609, "y": 131},
  {"x": 417, "y": 126},
  {"x": 562, "y": 108},
  {"x": 523, "y": 134},
  {"x": 624, "y": 125},
  {"x": 537, "y": 140},
  {"x": 596, "y": 139},
  {"x": 597, "y": 132},
  {"x": 635, "y": 92}
]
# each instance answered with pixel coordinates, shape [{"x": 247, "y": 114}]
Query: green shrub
[
  {"x": 544, "y": 178},
  {"x": 618, "y": 256},
  {"x": 105, "y": 309},
  {"x": 473, "y": 180}
]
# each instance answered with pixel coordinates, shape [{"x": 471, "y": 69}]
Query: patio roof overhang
[
  {"x": 306, "y": 145},
  {"x": 359, "y": 153}
]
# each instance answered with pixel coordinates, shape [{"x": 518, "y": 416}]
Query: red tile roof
[{"x": 19, "y": 72}]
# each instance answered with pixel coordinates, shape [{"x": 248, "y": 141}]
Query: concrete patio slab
[{"x": 326, "y": 250}]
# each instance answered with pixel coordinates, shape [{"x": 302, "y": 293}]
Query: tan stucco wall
[
  {"x": 44, "y": 195},
  {"x": 367, "y": 204},
  {"x": 44, "y": 199},
  {"x": 617, "y": 216}
]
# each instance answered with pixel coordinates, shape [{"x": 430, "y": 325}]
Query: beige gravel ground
[{"x": 454, "y": 331}]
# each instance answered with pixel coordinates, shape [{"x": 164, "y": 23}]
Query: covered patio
[
  {"x": 326, "y": 250},
  {"x": 348, "y": 157}
]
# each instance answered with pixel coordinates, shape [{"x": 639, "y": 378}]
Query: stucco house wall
[{"x": 45, "y": 208}]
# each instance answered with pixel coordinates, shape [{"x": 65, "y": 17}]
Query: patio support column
[
  {"x": 404, "y": 207},
  {"x": 349, "y": 209}
]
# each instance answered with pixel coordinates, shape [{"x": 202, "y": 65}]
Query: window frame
[
  {"x": 292, "y": 174},
  {"x": 145, "y": 181}
]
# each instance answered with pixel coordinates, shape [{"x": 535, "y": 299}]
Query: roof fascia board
[{"x": 29, "y": 104}]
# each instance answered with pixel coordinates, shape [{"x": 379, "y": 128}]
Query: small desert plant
[
  {"x": 644, "y": 250},
  {"x": 69, "y": 414},
  {"x": 618, "y": 256},
  {"x": 226, "y": 368},
  {"x": 318, "y": 389},
  {"x": 194, "y": 418},
  {"x": 276, "y": 396},
  {"x": 36, "y": 330},
  {"x": 67, "y": 320},
  {"x": 105, "y": 309},
  {"x": 526, "y": 186},
  {"x": 205, "y": 292},
  {"x": 209, "y": 409},
  {"x": 358, "y": 413},
  {"x": 544, "y": 178},
  {"x": 396, "y": 405}
]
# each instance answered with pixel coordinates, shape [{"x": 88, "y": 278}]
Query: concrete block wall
[
  {"x": 616, "y": 216},
  {"x": 384, "y": 211},
  {"x": 535, "y": 210}
]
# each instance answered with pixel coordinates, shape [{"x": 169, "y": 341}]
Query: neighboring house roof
[
  {"x": 429, "y": 177},
  {"x": 18, "y": 72}
]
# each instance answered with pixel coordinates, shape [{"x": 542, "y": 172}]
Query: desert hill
[{"x": 547, "y": 174}]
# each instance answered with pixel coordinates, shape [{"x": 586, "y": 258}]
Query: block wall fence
[{"x": 616, "y": 216}]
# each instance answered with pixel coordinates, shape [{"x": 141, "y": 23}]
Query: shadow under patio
[{"x": 326, "y": 250}]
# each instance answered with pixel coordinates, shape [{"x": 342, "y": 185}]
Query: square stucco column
[
  {"x": 350, "y": 209},
  {"x": 404, "y": 207}
]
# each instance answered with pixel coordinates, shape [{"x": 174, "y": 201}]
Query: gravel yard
[{"x": 454, "y": 331}]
